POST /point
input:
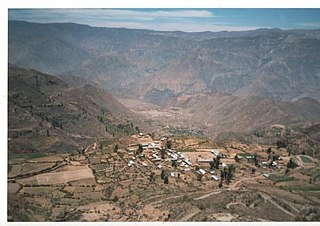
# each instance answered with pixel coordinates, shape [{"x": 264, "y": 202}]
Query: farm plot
[{"x": 65, "y": 176}]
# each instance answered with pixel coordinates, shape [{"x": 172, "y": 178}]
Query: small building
[
  {"x": 215, "y": 177},
  {"x": 156, "y": 159},
  {"x": 202, "y": 171},
  {"x": 224, "y": 165},
  {"x": 215, "y": 152}
]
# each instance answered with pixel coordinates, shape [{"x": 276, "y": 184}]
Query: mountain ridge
[{"x": 273, "y": 63}]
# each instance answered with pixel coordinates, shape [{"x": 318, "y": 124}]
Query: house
[
  {"x": 224, "y": 165},
  {"x": 215, "y": 177},
  {"x": 145, "y": 145},
  {"x": 274, "y": 164},
  {"x": 202, "y": 171},
  {"x": 215, "y": 152},
  {"x": 266, "y": 175},
  {"x": 204, "y": 160},
  {"x": 144, "y": 164},
  {"x": 131, "y": 163},
  {"x": 156, "y": 159}
]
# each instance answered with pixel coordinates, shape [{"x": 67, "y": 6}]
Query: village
[
  {"x": 205, "y": 164},
  {"x": 164, "y": 178}
]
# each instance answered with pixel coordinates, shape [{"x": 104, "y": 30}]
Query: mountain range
[
  {"x": 273, "y": 63},
  {"x": 223, "y": 81}
]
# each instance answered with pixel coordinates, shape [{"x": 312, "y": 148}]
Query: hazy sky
[{"x": 177, "y": 19}]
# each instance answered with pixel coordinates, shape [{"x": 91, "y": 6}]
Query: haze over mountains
[
  {"x": 236, "y": 81},
  {"x": 267, "y": 62}
]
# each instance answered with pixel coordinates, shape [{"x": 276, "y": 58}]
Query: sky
[{"x": 177, "y": 19}]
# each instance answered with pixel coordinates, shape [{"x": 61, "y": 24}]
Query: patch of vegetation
[
  {"x": 117, "y": 128},
  {"x": 186, "y": 132},
  {"x": 28, "y": 155},
  {"x": 280, "y": 178},
  {"x": 224, "y": 138},
  {"x": 185, "y": 150},
  {"x": 105, "y": 143},
  {"x": 305, "y": 159}
]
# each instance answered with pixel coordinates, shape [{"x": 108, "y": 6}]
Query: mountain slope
[
  {"x": 273, "y": 63},
  {"x": 217, "y": 112},
  {"x": 46, "y": 114}
]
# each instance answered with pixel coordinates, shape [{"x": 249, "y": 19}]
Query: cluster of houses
[
  {"x": 155, "y": 152},
  {"x": 162, "y": 157}
]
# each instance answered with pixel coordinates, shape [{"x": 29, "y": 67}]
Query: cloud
[
  {"x": 310, "y": 24},
  {"x": 100, "y": 14},
  {"x": 162, "y": 20},
  {"x": 179, "y": 26}
]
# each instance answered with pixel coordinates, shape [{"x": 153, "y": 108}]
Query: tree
[
  {"x": 220, "y": 184},
  {"x": 116, "y": 147},
  {"x": 169, "y": 144},
  {"x": 140, "y": 149},
  {"x": 217, "y": 163},
  {"x": 230, "y": 173},
  {"x": 222, "y": 175},
  {"x": 281, "y": 144},
  {"x": 162, "y": 152},
  {"x": 162, "y": 174},
  {"x": 174, "y": 163},
  {"x": 199, "y": 177},
  {"x": 269, "y": 150},
  {"x": 152, "y": 177},
  {"x": 166, "y": 179},
  {"x": 291, "y": 164},
  {"x": 253, "y": 170}
]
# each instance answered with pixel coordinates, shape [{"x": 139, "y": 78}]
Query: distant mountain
[
  {"x": 273, "y": 63},
  {"x": 46, "y": 114}
]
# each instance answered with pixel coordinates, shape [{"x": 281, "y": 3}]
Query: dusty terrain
[{"x": 109, "y": 183}]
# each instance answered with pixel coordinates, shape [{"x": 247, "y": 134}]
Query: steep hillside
[
  {"x": 273, "y": 63},
  {"x": 217, "y": 112},
  {"x": 46, "y": 114}
]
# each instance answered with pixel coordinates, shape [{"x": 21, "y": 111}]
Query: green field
[
  {"x": 280, "y": 178},
  {"x": 305, "y": 159}
]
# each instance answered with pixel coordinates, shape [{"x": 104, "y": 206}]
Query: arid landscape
[{"x": 126, "y": 125}]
